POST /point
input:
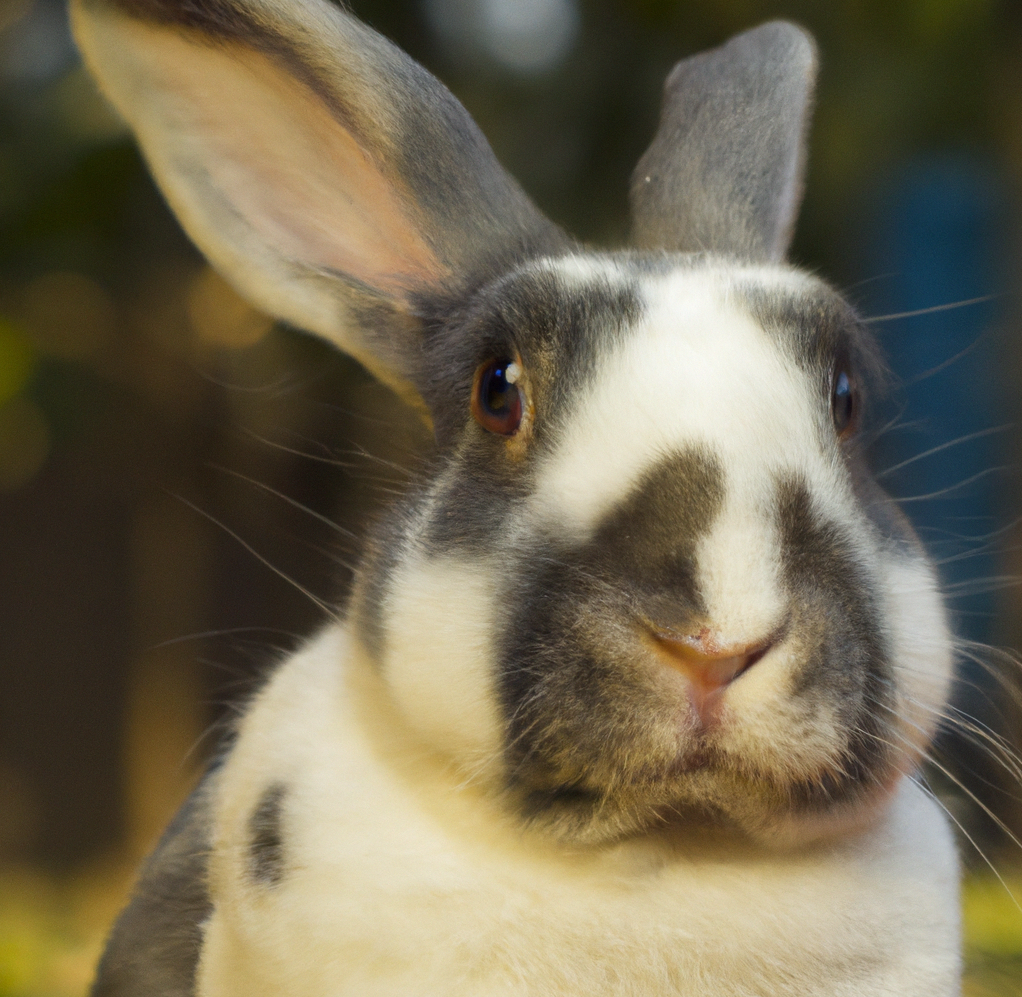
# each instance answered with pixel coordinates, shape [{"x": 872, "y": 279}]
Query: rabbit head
[{"x": 648, "y": 578}]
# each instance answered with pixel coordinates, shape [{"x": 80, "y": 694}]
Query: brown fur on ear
[
  {"x": 332, "y": 179},
  {"x": 300, "y": 178}
]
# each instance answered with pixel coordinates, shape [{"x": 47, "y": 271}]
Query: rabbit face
[
  {"x": 674, "y": 589},
  {"x": 649, "y": 574}
]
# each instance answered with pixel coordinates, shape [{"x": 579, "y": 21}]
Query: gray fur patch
[
  {"x": 560, "y": 328},
  {"x": 154, "y": 946},
  {"x": 814, "y": 326},
  {"x": 844, "y": 655},
  {"x": 650, "y": 538},
  {"x": 569, "y": 689},
  {"x": 266, "y": 841},
  {"x": 884, "y": 513},
  {"x": 724, "y": 171}
]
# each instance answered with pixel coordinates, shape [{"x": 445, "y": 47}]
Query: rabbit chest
[{"x": 345, "y": 861}]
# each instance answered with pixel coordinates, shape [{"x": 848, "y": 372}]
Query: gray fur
[
  {"x": 266, "y": 850},
  {"x": 724, "y": 171},
  {"x": 558, "y": 327},
  {"x": 841, "y": 634},
  {"x": 577, "y": 759},
  {"x": 154, "y": 946}
]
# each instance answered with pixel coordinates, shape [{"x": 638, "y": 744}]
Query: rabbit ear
[
  {"x": 724, "y": 171},
  {"x": 337, "y": 183}
]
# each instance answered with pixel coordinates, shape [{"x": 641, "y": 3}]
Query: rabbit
[{"x": 633, "y": 684}]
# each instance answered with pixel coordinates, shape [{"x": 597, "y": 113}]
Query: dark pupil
[
  {"x": 842, "y": 401},
  {"x": 497, "y": 395}
]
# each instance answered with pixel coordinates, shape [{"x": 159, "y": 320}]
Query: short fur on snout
[{"x": 635, "y": 678}]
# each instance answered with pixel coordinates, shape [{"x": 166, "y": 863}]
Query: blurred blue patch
[{"x": 938, "y": 237}]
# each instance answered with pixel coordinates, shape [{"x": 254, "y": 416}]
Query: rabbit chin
[{"x": 718, "y": 804}]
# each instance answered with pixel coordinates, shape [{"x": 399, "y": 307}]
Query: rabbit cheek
[
  {"x": 842, "y": 675},
  {"x": 597, "y": 727},
  {"x": 439, "y": 621},
  {"x": 921, "y": 654},
  {"x": 920, "y": 637}
]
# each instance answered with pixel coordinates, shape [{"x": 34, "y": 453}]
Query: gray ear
[
  {"x": 331, "y": 178},
  {"x": 724, "y": 171}
]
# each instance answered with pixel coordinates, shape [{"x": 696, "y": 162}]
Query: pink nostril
[{"x": 708, "y": 664}]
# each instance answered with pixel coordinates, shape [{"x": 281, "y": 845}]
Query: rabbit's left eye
[{"x": 496, "y": 397}]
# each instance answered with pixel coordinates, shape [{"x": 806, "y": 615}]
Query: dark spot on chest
[{"x": 266, "y": 837}]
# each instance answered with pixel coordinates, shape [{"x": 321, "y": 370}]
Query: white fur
[
  {"x": 437, "y": 658},
  {"x": 696, "y": 371},
  {"x": 921, "y": 650},
  {"x": 401, "y": 880}
]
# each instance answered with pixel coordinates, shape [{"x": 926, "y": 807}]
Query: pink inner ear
[{"x": 273, "y": 150}]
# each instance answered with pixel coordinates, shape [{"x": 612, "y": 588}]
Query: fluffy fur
[
  {"x": 633, "y": 684},
  {"x": 403, "y": 878}
]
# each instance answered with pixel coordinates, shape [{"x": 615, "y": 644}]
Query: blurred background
[{"x": 182, "y": 483}]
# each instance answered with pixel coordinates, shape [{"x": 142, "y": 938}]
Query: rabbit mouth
[{"x": 723, "y": 730}]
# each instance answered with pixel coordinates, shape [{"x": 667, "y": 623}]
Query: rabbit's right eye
[
  {"x": 496, "y": 398},
  {"x": 843, "y": 402}
]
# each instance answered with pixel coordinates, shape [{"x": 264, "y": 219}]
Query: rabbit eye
[
  {"x": 496, "y": 398},
  {"x": 843, "y": 402}
]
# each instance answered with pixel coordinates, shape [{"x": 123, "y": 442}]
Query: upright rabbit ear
[
  {"x": 724, "y": 171},
  {"x": 337, "y": 183}
]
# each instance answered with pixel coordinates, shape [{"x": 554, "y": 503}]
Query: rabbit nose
[{"x": 708, "y": 664}]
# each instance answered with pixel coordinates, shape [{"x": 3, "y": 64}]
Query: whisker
[
  {"x": 986, "y": 472},
  {"x": 330, "y": 456},
  {"x": 325, "y": 607},
  {"x": 895, "y": 422},
  {"x": 286, "y": 383},
  {"x": 978, "y": 735},
  {"x": 954, "y": 780},
  {"x": 978, "y": 586},
  {"x": 276, "y": 445},
  {"x": 921, "y": 783},
  {"x": 227, "y": 632},
  {"x": 285, "y": 498},
  {"x": 218, "y": 727},
  {"x": 946, "y": 446},
  {"x": 330, "y": 555},
  {"x": 971, "y": 650},
  {"x": 933, "y": 309}
]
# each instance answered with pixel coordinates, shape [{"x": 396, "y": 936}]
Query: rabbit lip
[{"x": 694, "y": 761}]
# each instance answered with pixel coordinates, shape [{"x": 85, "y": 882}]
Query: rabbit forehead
[{"x": 697, "y": 371}]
